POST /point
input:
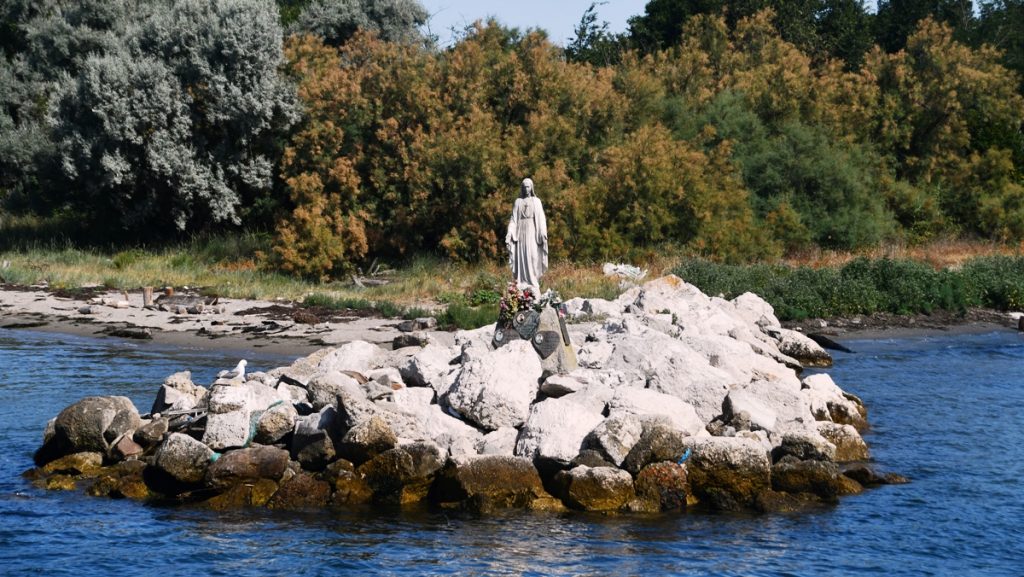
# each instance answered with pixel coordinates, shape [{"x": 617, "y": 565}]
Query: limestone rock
[
  {"x": 489, "y": 482},
  {"x": 312, "y": 442},
  {"x": 90, "y": 424},
  {"x": 392, "y": 477},
  {"x": 817, "y": 477},
  {"x": 770, "y": 406},
  {"x": 347, "y": 486},
  {"x": 428, "y": 367},
  {"x": 649, "y": 403},
  {"x": 245, "y": 465},
  {"x": 828, "y": 402},
  {"x": 597, "y": 489},
  {"x": 802, "y": 348},
  {"x": 664, "y": 486},
  {"x": 84, "y": 463},
  {"x": 614, "y": 437},
  {"x": 563, "y": 359},
  {"x": 499, "y": 442},
  {"x": 358, "y": 356},
  {"x": 496, "y": 391},
  {"x": 256, "y": 493},
  {"x": 366, "y": 440},
  {"x": 301, "y": 491},
  {"x": 179, "y": 393},
  {"x": 229, "y": 430},
  {"x": 325, "y": 388},
  {"x": 658, "y": 442},
  {"x": 276, "y": 423},
  {"x": 183, "y": 458},
  {"x": 726, "y": 473},
  {"x": 558, "y": 385},
  {"x": 151, "y": 433},
  {"x": 848, "y": 442},
  {"x": 555, "y": 430},
  {"x": 756, "y": 311},
  {"x": 805, "y": 445}
]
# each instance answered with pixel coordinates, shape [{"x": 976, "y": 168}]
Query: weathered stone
[
  {"x": 496, "y": 391},
  {"x": 647, "y": 403},
  {"x": 301, "y": 491},
  {"x": 229, "y": 430},
  {"x": 555, "y": 430},
  {"x": 557, "y": 385},
  {"x": 848, "y": 442},
  {"x": 817, "y": 477},
  {"x": 244, "y": 465},
  {"x": 726, "y": 473},
  {"x": 756, "y": 311},
  {"x": 84, "y": 463},
  {"x": 276, "y": 423},
  {"x": 597, "y": 489},
  {"x": 867, "y": 476},
  {"x": 769, "y": 501},
  {"x": 179, "y": 393},
  {"x": 563, "y": 358},
  {"x": 665, "y": 485},
  {"x": 411, "y": 339},
  {"x": 388, "y": 475},
  {"x": 499, "y": 442},
  {"x": 828, "y": 402},
  {"x": 312, "y": 443},
  {"x": 488, "y": 483},
  {"x": 255, "y": 493},
  {"x": 250, "y": 397},
  {"x": 803, "y": 349},
  {"x": 325, "y": 388},
  {"x": 428, "y": 367},
  {"x": 125, "y": 448},
  {"x": 358, "y": 356},
  {"x": 805, "y": 445},
  {"x": 151, "y": 433},
  {"x": 91, "y": 424},
  {"x": 770, "y": 406},
  {"x": 658, "y": 442},
  {"x": 348, "y": 486},
  {"x": 183, "y": 458},
  {"x": 614, "y": 437},
  {"x": 590, "y": 458},
  {"x": 367, "y": 440}
]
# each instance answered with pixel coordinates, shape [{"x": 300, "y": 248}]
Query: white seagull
[{"x": 237, "y": 373}]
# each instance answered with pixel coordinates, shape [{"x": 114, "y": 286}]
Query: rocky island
[{"x": 674, "y": 400}]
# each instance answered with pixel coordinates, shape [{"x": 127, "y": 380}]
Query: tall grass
[{"x": 866, "y": 286}]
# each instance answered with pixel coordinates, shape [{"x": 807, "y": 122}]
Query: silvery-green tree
[
  {"x": 337, "y": 20},
  {"x": 178, "y": 128}
]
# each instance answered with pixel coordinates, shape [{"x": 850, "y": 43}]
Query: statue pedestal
[{"x": 549, "y": 336}]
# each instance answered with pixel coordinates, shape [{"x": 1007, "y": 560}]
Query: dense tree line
[{"x": 742, "y": 129}]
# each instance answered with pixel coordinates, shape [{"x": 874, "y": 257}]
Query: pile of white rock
[{"x": 680, "y": 400}]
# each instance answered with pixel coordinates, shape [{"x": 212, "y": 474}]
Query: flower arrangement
[{"x": 513, "y": 301}]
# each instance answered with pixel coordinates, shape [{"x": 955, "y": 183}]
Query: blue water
[{"x": 946, "y": 411}]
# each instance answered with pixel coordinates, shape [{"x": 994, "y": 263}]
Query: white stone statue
[{"x": 527, "y": 238}]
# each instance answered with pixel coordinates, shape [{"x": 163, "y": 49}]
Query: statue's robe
[{"x": 527, "y": 238}]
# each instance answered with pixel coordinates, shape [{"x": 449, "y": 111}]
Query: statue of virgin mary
[{"x": 527, "y": 238}]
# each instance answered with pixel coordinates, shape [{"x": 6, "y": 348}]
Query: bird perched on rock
[{"x": 236, "y": 373}]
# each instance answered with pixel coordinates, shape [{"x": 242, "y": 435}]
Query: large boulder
[
  {"x": 820, "y": 478},
  {"x": 755, "y": 311},
  {"x": 366, "y": 440},
  {"x": 276, "y": 423},
  {"x": 347, "y": 486},
  {"x": 247, "y": 465},
  {"x": 849, "y": 445},
  {"x": 770, "y": 406},
  {"x": 356, "y": 356},
  {"x": 91, "y": 424},
  {"x": 660, "y": 441},
  {"x": 183, "y": 458},
  {"x": 615, "y": 436},
  {"x": 727, "y": 473},
  {"x": 800, "y": 347},
  {"x": 496, "y": 390},
  {"x": 313, "y": 439},
  {"x": 828, "y": 402},
  {"x": 804, "y": 445},
  {"x": 596, "y": 488},
  {"x": 490, "y": 482},
  {"x": 301, "y": 491},
  {"x": 325, "y": 388},
  {"x": 662, "y": 486},
  {"x": 555, "y": 430},
  {"x": 413, "y": 416},
  {"x": 650, "y": 403},
  {"x": 562, "y": 357},
  {"x": 402, "y": 474},
  {"x": 234, "y": 411},
  {"x": 428, "y": 367},
  {"x": 179, "y": 393}
]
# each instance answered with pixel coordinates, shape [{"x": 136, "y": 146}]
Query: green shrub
[{"x": 458, "y": 316}]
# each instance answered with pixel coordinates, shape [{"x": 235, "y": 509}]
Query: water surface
[{"x": 945, "y": 411}]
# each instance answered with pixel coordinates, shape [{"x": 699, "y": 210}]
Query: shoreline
[{"x": 240, "y": 324}]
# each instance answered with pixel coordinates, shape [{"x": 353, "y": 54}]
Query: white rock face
[
  {"x": 555, "y": 430},
  {"x": 827, "y": 402},
  {"x": 755, "y": 311},
  {"x": 325, "y": 388},
  {"x": 800, "y": 347},
  {"x": 650, "y": 403},
  {"x": 615, "y": 436},
  {"x": 234, "y": 411},
  {"x": 496, "y": 390},
  {"x": 183, "y": 457},
  {"x": 500, "y": 442},
  {"x": 428, "y": 367},
  {"x": 772, "y": 407},
  {"x": 358, "y": 356}
]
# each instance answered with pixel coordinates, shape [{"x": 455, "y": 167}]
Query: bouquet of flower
[{"x": 513, "y": 301}]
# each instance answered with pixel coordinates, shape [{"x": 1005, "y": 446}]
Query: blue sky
[{"x": 558, "y": 17}]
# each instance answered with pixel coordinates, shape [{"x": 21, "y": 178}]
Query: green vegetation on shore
[{"x": 865, "y": 286}]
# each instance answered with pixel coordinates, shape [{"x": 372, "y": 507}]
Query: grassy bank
[{"x": 867, "y": 286}]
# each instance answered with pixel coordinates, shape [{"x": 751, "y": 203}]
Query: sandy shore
[
  {"x": 232, "y": 324},
  {"x": 239, "y": 324}
]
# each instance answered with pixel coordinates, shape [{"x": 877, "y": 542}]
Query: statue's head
[{"x": 527, "y": 188}]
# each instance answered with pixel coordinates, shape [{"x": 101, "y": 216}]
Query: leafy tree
[
  {"x": 337, "y": 20},
  {"x": 898, "y": 19},
  {"x": 593, "y": 43},
  {"x": 177, "y": 129}
]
